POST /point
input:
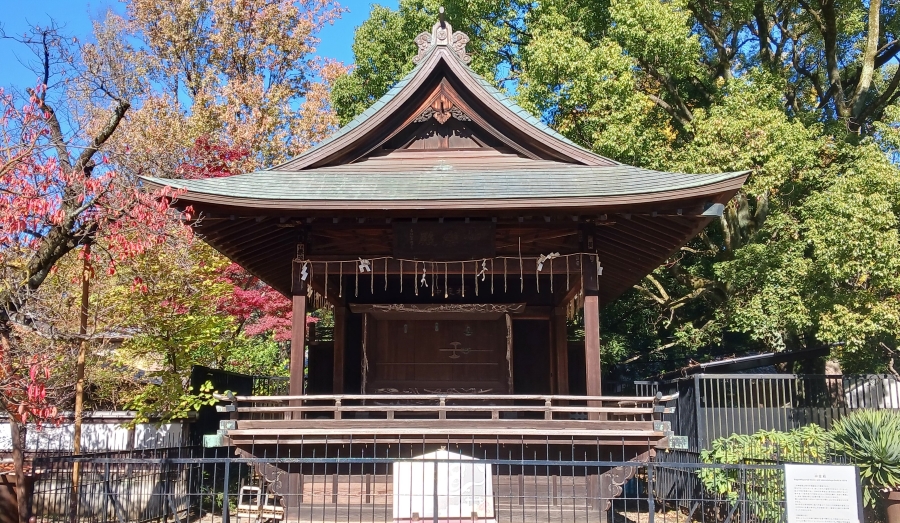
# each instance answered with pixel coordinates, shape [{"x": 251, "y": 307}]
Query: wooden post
[
  {"x": 364, "y": 362},
  {"x": 298, "y": 330},
  {"x": 561, "y": 342},
  {"x": 551, "y": 344},
  {"x": 340, "y": 326},
  {"x": 592, "y": 344},
  {"x": 509, "y": 354},
  {"x": 591, "y": 330},
  {"x": 82, "y": 352}
]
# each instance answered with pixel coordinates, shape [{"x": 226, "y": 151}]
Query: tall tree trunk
[
  {"x": 18, "y": 431},
  {"x": 832, "y": 63},
  {"x": 868, "y": 61},
  {"x": 762, "y": 29},
  {"x": 79, "y": 377}
]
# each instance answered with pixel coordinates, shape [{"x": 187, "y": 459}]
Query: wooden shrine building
[{"x": 452, "y": 232}]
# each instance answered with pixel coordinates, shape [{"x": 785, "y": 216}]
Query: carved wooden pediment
[
  {"x": 442, "y": 109},
  {"x": 442, "y": 34}
]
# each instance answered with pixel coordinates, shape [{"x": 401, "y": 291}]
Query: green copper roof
[{"x": 444, "y": 182}]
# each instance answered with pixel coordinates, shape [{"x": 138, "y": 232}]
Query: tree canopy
[
  {"x": 802, "y": 93},
  {"x": 169, "y": 89}
]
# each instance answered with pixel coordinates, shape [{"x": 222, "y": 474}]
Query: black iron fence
[
  {"x": 394, "y": 483},
  {"x": 711, "y": 406},
  {"x": 270, "y": 385}
]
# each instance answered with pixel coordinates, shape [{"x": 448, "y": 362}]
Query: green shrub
[
  {"x": 763, "y": 488},
  {"x": 870, "y": 439}
]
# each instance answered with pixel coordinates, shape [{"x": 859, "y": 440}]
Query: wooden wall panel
[{"x": 438, "y": 355}]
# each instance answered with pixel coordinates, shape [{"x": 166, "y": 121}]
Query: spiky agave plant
[{"x": 871, "y": 440}]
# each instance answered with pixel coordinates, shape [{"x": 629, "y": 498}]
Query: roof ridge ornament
[{"x": 442, "y": 35}]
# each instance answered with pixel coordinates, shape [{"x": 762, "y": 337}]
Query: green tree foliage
[
  {"x": 169, "y": 300},
  {"x": 257, "y": 356},
  {"x": 762, "y": 487},
  {"x": 801, "y": 94}
]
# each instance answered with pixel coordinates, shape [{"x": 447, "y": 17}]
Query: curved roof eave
[{"x": 724, "y": 183}]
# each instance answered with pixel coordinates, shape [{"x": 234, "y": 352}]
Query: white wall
[
  {"x": 95, "y": 436},
  {"x": 877, "y": 392}
]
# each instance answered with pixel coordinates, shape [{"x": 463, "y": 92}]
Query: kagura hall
[{"x": 453, "y": 234}]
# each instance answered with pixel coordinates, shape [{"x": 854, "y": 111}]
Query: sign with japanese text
[
  {"x": 449, "y": 241},
  {"x": 822, "y": 494}
]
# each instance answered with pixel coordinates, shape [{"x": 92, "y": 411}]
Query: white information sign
[
  {"x": 822, "y": 494},
  {"x": 463, "y": 491}
]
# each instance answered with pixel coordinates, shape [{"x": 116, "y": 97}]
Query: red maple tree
[
  {"x": 58, "y": 193},
  {"x": 258, "y": 308}
]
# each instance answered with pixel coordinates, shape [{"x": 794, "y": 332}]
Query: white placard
[
  {"x": 822, "y": 494},
  {"x": 464, "y": 489}
]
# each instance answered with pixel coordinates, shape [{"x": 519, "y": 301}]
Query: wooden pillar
[
  {"x": 298, "y": 330},
  {"x": 367, "y": 339},
  {"x": 591, "y": 330},
  {"x": 340, "y": 328},
  {"x": 551, "y": 353},
  {"x": 509, "y": 355},
  {"x": 561, "y": 350},
  {"x": 592, "y": 344}
]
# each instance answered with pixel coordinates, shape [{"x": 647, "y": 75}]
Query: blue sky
[{"x": 76, "y": 17}]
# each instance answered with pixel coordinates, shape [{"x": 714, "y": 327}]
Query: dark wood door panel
[{"x": 439, "y": 354}]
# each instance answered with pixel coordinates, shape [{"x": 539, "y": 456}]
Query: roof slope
[
  {"x": 442, "y": 59},
  {"x": 418, "y": 183},
  {"x": 536, "y": 164},
  {"x": 430, "y": 60}
]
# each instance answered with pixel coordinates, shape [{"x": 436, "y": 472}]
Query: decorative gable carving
[
  {"x": 442, "y": 109},
  {"x": 459, "y": 41},
  {"x": 424, "y": 43},
  {"x": 442, "y": 35}
]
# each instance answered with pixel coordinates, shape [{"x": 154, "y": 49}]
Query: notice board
[{"x": 822, "y": 494}]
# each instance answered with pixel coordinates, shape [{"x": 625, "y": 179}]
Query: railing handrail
[
  {"x": 438, "y": 397},
  {"x": 447, "y": 408},
  {"x": 759, "y": 376},
  {"x": 444, "y": 405}
]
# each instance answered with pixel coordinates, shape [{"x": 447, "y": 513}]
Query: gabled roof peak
[
  {"x": 442, "y": 35},
  {"x": 441, "y": 68}
]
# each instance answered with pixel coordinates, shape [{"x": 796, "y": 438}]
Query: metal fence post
[
  {"x": 106, "y": 485},
  {"x": 226, "y": 515},
  {"x": 651, "y": 500},
  {"x": 701, "y": 427},
  {"x": 435, "y": 506},
  {"x": 744, "y": 510}
]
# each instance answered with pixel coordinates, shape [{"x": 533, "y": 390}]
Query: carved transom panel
[{"x": 442, "y": 109}]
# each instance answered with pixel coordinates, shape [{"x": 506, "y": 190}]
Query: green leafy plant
[
  {"x": 177, "y": 406},
  {"x": 763, "y": 488},
  {"x": 870, "y": 439}
]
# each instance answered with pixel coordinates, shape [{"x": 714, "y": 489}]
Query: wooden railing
[
  {"x": 443, "y": 406},
  {"x": 276, "y": 420}
]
